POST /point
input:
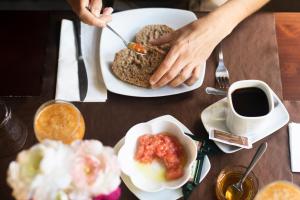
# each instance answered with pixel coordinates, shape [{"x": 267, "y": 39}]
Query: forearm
[{"x": 233, "y": 12}]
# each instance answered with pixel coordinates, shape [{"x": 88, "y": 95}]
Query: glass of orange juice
[{"x": 58, "y": 120}]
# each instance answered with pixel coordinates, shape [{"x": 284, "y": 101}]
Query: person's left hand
[{"x": 190, "y": 48}]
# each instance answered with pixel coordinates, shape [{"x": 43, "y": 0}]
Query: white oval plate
[{"x": 128, "y": 23}]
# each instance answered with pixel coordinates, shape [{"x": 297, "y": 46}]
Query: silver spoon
[
  {"x": 214, "y": 91},
  {"x": 235, "y": 191},
  {"x": 136, "y": 47},
  {"x": 130, "y": 45}
]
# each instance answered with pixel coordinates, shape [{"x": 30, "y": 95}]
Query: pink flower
[
  {"x": 115, "y": 195},
  {"x": 95, "y": 169}
]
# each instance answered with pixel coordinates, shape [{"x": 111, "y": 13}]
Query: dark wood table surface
[{"x": 288, "y": 37}]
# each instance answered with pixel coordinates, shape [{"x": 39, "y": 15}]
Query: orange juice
[
  {"x": 279, "y": 190},
  {"x": 59, "y": 120}
]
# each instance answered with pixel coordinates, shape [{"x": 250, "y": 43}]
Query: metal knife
[{"x": 82, "y": 75}]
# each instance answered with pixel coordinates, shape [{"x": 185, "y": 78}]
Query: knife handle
[{"x": 77, "y": 31}]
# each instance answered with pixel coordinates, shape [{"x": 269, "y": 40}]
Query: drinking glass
[
  {"x": 58, "y": 120},
  {"x": 13, "y": 132}
]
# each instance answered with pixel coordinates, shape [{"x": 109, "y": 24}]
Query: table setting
[{"x": 203, "y": 117}]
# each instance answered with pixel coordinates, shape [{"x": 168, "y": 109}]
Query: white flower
[
  {"x": 41, "y": 172},
  {"x": 22, "y": 171},
  {"x": 55, "y": 171},
  {"x": 96, "y": 169}
]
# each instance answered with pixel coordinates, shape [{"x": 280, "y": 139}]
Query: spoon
[
  {"x": 214, "y": 91},
  {"x": 137, "y": 47},
  {"x": 235, "y": 191},
  {"x": 134, "y": 46}
]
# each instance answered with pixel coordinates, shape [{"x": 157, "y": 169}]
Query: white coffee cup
[{"x": 242, "y": 125}]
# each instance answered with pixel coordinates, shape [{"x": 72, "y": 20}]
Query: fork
[{"x": 222, "y": 74}]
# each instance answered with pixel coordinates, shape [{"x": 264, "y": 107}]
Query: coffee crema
[{"x": 250, "y": 102}]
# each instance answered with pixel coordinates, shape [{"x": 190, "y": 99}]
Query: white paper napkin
[
  {"x": 294, "y": 135},
  {"x": 67, "y": 77}
]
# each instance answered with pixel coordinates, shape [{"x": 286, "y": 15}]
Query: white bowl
[{"x": 150, "y": 177}]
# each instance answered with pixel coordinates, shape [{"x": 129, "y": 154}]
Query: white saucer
[
  {"x": 164, "y": 194},
  {"x": 213, "y": 117}
]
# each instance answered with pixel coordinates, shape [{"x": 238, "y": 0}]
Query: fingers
[
  {"x": 108, "y": 11},
  {"x": 87, "y": 17},
  {"x": 171, "y": 74},
  {"x": 195, "y": 76},
  {"x": 162, "y": 40},
  {"x": 164, "y": 67},
  {"x": 183, "y": 76},
  {"x": 95, "y": 7}
]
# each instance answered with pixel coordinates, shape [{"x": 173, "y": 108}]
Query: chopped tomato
[
  {"x": 174, "y": 173},
  {"x": 138, "y": 47},
  {"x": 163, "y": 147}
]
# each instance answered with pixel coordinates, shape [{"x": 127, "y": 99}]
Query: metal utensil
[
  {"x": 235, "y": 191},
  {"x": 82, "y": 75},
  {"x": 127, "y": 44},
  {"x": 214, "y": 91},
  {"x": 222, "y": 74}
]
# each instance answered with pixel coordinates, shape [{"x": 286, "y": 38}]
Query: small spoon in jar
[{"x": 235, "y": 191}]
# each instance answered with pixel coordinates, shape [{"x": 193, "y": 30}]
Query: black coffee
[{"x": 250, "y": 102}]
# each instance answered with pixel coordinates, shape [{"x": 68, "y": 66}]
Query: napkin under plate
[
  {"x": 67, "y": 78},
  {"x": 294, "y": 137}
]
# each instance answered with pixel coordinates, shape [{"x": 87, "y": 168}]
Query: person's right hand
[{"x": 89, "y": 12}]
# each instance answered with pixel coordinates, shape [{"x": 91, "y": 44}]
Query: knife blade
[{"x": 82, "y": 75}]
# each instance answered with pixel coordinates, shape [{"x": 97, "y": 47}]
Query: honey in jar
[
  {"x": 59, "y": 120},
  {"x": 232, "y": 175}
]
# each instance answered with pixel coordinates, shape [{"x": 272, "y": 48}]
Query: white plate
[
  {"x": 163, "y": 194},
  {"x": 213, "y": 117},
  {"x": 128, "y": 23}
]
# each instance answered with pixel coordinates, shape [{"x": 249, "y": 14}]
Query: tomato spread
[
  {"x": 164, "y": 147},
  {"x": 137, "y": 47}
]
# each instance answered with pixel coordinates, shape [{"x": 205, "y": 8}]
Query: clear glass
[
  {"x": 13, "y": 132},
  {"x": 58, "y": 120},
  {"x": 233, "y": 174}
]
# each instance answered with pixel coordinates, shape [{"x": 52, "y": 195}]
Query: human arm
[
  {"x": 191, "y": 45},
  {"x": 89, "y": 12}
]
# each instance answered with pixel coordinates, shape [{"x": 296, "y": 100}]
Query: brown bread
[{"x": 137, "y": 69}]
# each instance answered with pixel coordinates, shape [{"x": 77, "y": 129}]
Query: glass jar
[
  {"x": 59, "y": 120},
  {"x": 233, "y": 174},
  {"x": 13, "y": 132}
]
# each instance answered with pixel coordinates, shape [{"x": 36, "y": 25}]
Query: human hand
[
  {"x": 89, "y": 12},
  {"x": 191, "y": 45}
]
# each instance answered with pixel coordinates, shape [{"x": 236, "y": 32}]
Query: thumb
[{"x": 166, "y": 38}]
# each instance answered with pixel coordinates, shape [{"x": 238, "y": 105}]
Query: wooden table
[{"x": 288, "y": 35}]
